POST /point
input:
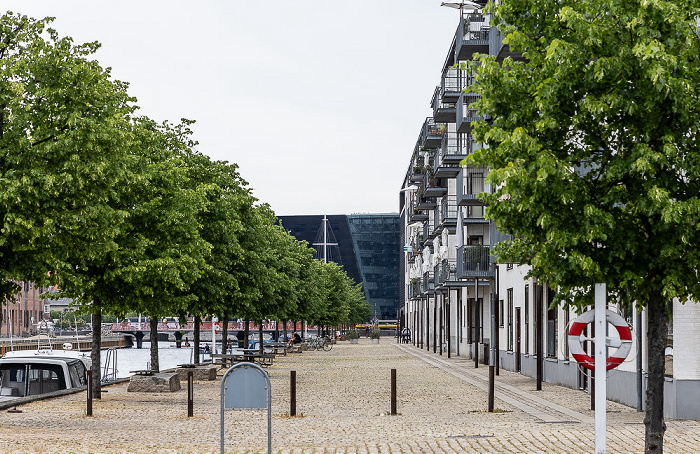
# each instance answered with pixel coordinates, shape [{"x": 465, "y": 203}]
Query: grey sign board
[{"x": 246, "y": 386}]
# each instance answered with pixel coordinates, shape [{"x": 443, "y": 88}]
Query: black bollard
[
  {"x": 293, "y": 392},
  {"x": 190, "y": 393},
  {"x": 89, "y": 393},
  {"x": 393, "y": 391}
]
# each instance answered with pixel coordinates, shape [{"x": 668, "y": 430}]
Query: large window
[{"x": 509, "y": 294}]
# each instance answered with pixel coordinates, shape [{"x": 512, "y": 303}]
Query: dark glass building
[{"x": 365, "y": 245}]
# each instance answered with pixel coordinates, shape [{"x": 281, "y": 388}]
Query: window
[
  {"x": 527, "y": 319},
  {"x": 509, "y": 294},
  {"x": 501, "y": 315}
]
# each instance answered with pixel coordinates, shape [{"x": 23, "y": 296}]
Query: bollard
[
  {"x": 393, "y": 391},
  {"x": 190, "y": 393},
  {"x": 89, "y": 393},
  {"x": 293, "y": 392}
]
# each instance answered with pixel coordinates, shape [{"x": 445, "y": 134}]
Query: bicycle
[{"x": 319, "y": 343}]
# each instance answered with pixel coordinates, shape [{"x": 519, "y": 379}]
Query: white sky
[{"x": 320, "y": 102}]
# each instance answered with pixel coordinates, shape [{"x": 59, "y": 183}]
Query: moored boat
[{"x": 35, "y": 372}]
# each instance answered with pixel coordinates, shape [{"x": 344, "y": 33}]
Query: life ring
[{"x": 576, "y": 339}]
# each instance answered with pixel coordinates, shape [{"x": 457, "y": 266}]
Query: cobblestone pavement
[{"x": 343, "y": 405}]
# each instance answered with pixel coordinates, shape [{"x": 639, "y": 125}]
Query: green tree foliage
[
  {"x": 593, "y": 152},
  {"x": 61, "y": 145}
]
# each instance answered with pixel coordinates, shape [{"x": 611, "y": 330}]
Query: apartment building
[{"x": 457, "y": 300}]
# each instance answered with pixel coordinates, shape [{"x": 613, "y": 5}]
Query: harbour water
[{"x": 129, "y": 359}]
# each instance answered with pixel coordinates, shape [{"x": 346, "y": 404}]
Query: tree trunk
[
  {"x": 197, "y": 337},
  {"x": 224, "y": 335},
  {"x": 96, "y": 350},
  {"x": 154, "y": 344},
  {"x": 260, "y": 336},
  {"x": 285, "y": 332},
  {"x": 657, "y": 333},
  {"x": 246, "y": 334}
]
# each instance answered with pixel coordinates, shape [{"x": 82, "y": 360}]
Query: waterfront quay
[{"x": 343, "y": 406}]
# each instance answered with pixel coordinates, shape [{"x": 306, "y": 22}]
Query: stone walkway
[{"x": 343, "y": 405}]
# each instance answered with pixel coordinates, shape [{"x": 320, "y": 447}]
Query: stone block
[
  {"x": 156, "y": 383},
  {"x": 200, "y": 373}
]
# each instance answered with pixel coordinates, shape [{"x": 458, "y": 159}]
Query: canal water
[{"x": 129, "y": 359}]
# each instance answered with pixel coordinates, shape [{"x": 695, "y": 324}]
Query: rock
[
  {"x": 156, "y": 383},
  {"x": 200, "y": 373}
]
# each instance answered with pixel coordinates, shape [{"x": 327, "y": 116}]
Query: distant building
[{"x": 365, "y": 245}]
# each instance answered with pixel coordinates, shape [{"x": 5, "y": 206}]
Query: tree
[
  {"x": 61, "y": 151},
  {"x": 594, "y": 155},
  {"x": 221, "y": 218}
]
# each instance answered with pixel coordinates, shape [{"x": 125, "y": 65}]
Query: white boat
[{"x": 34, "y": 372}]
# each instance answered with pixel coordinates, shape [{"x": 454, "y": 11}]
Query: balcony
[
  {"x": 425, "y": 203},
  {"x": 466, "y": 113},
  {"x": 417, "y": 216},
  {"x": 417, "y": 174},
  {"x": 428, "y": 282},
  {"x": 472, "y": 36},
  {"x": 448, "y": 211},
  {"x": 470, "y": 183},
  {"x": 414, "y": 289},
  {"x": 501, "y": 50},
  {"x": 443, "y": 112},
  {"x": 431, "y": 134},
  {"x": 432, "y": 186},
  {"x": 474, "y": 262},
  {"x": 446, "y": 274},
  {"x": 454, "y": 80}
]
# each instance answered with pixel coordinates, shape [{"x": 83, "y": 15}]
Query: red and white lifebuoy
[{"x": 576, "y": 339}]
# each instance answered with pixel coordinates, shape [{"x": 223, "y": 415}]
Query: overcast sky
[{"x": 319, "y": 102}]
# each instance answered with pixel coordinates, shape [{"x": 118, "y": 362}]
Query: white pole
[
  {"x": 213, "y": 334},
  {"x": 600, "y": 369}
]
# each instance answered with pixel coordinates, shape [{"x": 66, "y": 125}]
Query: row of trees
[{"x": 125, "y": 215}]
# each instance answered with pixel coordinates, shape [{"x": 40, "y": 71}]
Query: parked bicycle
[{"x": 319, "y": 343}]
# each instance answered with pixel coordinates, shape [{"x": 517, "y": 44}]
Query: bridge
[{"x": 140, "y": 329}]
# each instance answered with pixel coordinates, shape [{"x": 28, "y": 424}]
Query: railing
[
  {"x": 448, "y": 271},
  {"x": 448, "y": 208},
  {"x": 474, "y": 261},
  {"x": 450, "y": 144},
  {"x": 437, "y": 102},
  {"x": 475, "y": 27},
  {"x": 471, "y": 182},
  {"x": 428, "y": 282},
  {"x": 454, "y": 80}
]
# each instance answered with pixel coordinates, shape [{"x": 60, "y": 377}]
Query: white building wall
[{"x": 686, "y": 340}]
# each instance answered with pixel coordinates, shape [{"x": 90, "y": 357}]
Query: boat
[{"x": 35, "y": 372}]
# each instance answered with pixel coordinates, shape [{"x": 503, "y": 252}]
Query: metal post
[
  {"x": 492, "y": 359},
  {"x": 477, "y": 313},
  {"x": 640, "y": 399},
  {"x": 600, "y": 368},
  {"x": 538, "y": 334},
  {"x": 293, "y": 393},
  {"x": 190, "y": 393},
  {"x": 89, "y": 392},
  {"x": 393, "y": 391}
]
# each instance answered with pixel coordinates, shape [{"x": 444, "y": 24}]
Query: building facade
[
  {"x": 365, "y": 245},
  {"x": 20, "y": 317},
  {"x": 457, "y": 300}
]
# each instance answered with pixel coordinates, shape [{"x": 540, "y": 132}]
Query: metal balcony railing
[
  {"x": 448, "y": 209},
  {"x": 471, "y": 182},
  {"x": 474, "y": 261}
]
